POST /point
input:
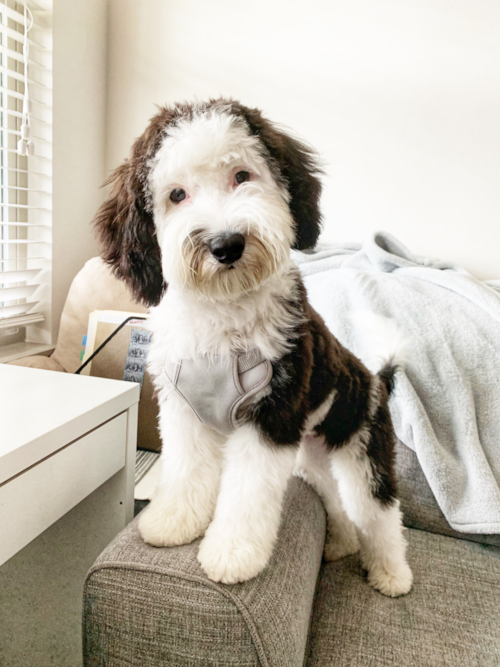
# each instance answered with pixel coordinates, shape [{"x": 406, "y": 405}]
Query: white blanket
[{"x": 446, "y": 405}]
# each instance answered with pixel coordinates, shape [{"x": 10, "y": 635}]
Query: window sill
[{"x": 19, "y": 350}]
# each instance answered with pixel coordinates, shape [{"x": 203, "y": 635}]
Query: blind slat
[
  {"x": 5, "y": 260},
  {"x": 25, "y": 206},
  {"x": 20, "y": 242},
  {"x": 9, "y": 311},
  {"x": 25, "y": 171},
  {"x": 35, "y": 157},
  {"x": 20, "y": 96},
  {"x": 18, "y": 114},
  {"x": 13, "y": 293},
  {"x": 22, "y": 320},
  {"x": 5, "y": 223},
  {"x": 8, "y": 277},
  {"x": 12, "y": 14},
  {"x": 17, "y": 16},
  {"x": 15, "y": 133},
  {"x": 18, "y": 76},
  {"x": 18, "y": 187},
  {"x": 19, "y": 36},
  {"x": 15, "y": 55}
]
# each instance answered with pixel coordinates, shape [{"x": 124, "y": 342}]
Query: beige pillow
[{"x": 94, "y": 288}]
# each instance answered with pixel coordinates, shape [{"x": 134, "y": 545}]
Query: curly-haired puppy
[{"x": 252, "y": 386}]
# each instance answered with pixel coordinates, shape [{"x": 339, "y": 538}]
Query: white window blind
[{"x": 25, "y": 181}]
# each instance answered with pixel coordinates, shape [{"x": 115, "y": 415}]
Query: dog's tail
[{"x": 383, "y": 347}]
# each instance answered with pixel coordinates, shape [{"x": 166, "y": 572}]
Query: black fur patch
[
  {"x": 281, "y": 415},
  {"x": 304, "y": 378},
  {"x": 387, "y": 373},
  {"x": 380, "y": 451}
]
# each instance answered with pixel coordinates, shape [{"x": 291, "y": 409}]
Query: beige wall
[
  {"x": 401, "y": 97},
  {"x": 79, "y": 35}
]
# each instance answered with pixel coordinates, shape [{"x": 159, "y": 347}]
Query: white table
[{"x": 67, "y": 458}]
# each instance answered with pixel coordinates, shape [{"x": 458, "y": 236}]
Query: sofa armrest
[
  {"x": 39, "y": 361},
  {"x": 143, "y": 601}
]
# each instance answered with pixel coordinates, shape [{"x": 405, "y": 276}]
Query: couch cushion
[
  {"x": 451, "y": 618},
  {"x": 147, "y": 607},
  {"x": 420, "y": 509}
]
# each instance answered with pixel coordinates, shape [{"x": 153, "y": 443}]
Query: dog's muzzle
[{"x": 227, "y": 248}]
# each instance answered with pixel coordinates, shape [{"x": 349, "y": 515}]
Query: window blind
[{"x": 25, "y": 180}]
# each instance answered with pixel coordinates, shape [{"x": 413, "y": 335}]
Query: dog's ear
[
  {"x": 299, "y": 170},
  {"x": 126, "y": 229}
]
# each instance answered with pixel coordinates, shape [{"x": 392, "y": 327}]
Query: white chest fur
[{"x": 185, "y": 326}]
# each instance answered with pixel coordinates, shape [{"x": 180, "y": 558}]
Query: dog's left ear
[{"x": 299, "y": 169}]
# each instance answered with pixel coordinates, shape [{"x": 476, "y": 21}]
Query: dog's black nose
[{"x": 227, "y": 248}]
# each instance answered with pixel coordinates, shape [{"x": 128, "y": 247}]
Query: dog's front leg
[
  {"x": 240, "y": 539},
  {"x": 184, "y": 501}
]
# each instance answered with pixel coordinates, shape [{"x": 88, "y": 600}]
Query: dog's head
[{"x": 212, "y": 199}]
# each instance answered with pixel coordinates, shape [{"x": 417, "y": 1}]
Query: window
[{"x": 25, "y": 181}]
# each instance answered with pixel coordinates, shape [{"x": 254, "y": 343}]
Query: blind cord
[{"x": 25, "y": 146}]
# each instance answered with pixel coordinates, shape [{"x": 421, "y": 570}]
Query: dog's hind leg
[
  {"x": 366, "y": 486},
  {"x": 313, "y": 465}
]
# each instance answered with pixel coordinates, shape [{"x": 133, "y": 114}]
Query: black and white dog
[{"x": 209, "y": 204}]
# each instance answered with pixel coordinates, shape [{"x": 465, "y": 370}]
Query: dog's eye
[
  {"x": 241, "y": 177},
  {"x": 177, "y": 195}
]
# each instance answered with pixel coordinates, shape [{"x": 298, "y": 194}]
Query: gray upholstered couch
[{"x": 148, "y": 607}]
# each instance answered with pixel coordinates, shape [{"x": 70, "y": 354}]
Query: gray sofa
[{"x": 148, "y": 607}]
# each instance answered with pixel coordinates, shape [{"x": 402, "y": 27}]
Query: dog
[{"x": 252, "y": 386}]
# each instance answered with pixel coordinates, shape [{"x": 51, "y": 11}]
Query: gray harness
[{"x": 215, "y": 388}]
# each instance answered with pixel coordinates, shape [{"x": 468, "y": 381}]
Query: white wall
[
  {"x": 79, "y": 115},
  {"x": 401, "y": 97}
]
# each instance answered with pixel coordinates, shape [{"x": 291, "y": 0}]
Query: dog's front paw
[
  {"x": 231, "y": 561},
  {"x": 164, "y": 526},
  {"x": 393, "y": 580}
]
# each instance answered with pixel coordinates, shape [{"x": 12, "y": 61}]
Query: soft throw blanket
[{"x": 446, "y": 406}]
